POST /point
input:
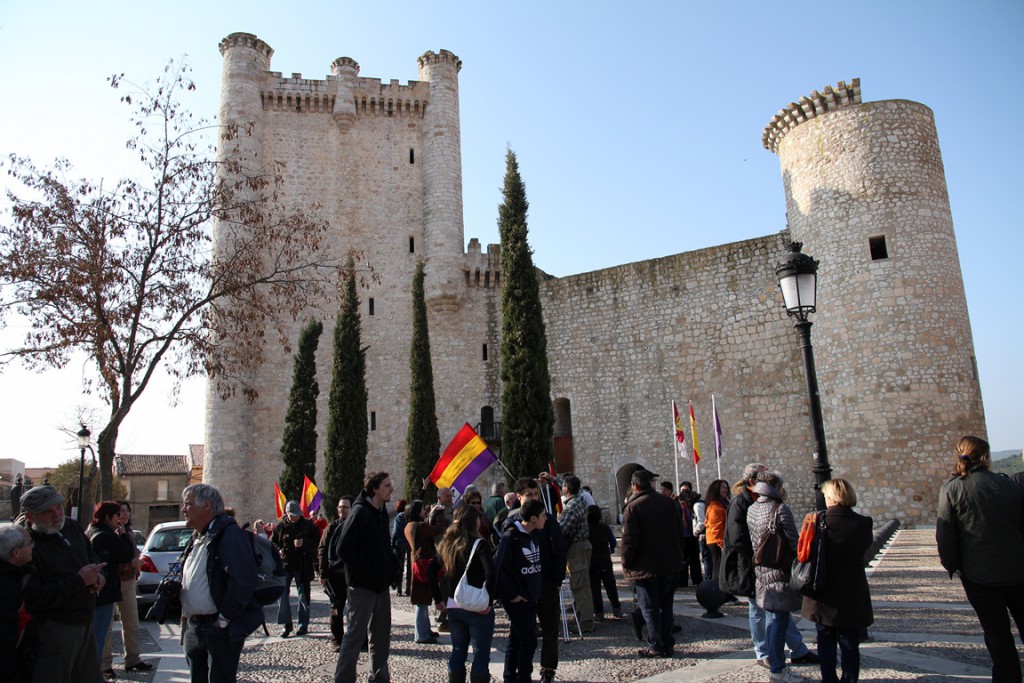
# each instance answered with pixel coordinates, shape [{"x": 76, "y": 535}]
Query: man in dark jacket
[
  {"x": 332, "y": 571},
  {"x": 652, "y": 556},
  {"x": 17, "y": 639},
  {"x": 61, "y": 591},
  {"x": 364, "y": 545},
  {"x": 297, "y": 539},
  {"x": 736, "y": 573},
  {"x": 217, "y": 606}
]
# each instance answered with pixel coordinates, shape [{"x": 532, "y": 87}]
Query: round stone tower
[
  {"x": 442, "y": 182},
  {"x": 230, "y": 428},
  {"x": 866, "y": 193}
]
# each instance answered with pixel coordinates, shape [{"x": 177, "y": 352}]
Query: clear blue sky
[{"x": 637, "y": 126}]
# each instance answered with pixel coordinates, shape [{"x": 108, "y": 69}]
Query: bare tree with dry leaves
[{"x": 132, "y": 274}]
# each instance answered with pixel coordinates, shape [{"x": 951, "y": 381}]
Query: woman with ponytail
[{"x": 980, "y": 534}]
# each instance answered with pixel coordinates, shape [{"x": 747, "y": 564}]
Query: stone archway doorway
[{"x": 624, "y": 470}]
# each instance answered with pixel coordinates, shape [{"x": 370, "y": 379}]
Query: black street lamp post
[
  {"x": 798, "y": 280},
  {"x": 83, "y": 442}
]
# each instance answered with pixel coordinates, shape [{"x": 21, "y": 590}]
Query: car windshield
[{"x": 170, "y": 540}]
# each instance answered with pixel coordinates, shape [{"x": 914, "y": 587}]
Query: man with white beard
[{"x": 61, "y": 593}]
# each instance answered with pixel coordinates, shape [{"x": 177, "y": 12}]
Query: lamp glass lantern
[
  {"x": 798, "y": 280},
  {"x": 84, "y": 436}
]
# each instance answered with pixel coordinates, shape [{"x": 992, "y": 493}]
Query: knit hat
[
  {"x": 292, "y": 508},
  {"x": 39, "y": 498}
]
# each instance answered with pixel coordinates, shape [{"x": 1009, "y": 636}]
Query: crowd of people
[{"x": 522, "y": 551}]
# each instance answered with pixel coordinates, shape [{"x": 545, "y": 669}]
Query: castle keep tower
[{"x": 866, "y": 193}]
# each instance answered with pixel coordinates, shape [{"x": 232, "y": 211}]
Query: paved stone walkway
[{"x": 924, "y": 631}]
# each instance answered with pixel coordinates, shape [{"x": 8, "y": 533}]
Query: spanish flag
[
  {"x": 465, "y": 459},
  {"x": 693, "y": 431},
  {"x": 279, "y": 501},
  {"x": 310, "y": 498}
]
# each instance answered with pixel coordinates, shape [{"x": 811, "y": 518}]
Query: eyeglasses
[{"x": 477, "y": 502}]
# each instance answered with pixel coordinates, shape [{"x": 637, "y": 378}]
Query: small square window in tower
[
  {"x": 412, "y": 245},
  {"x": 373, "y": 421},
  {"x": 485, "y": 351},
  {"x": 369, "y": 305},
  {"x": 412, "y": 156},
  {"x": 879, "y": 251}
]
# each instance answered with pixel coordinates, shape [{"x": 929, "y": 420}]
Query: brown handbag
[{"x": 774, "y": 551}]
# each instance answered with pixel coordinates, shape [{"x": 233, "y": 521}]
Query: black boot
[
  {"x": 457, "y": 676},
  {"x": 483, "y": 678}
]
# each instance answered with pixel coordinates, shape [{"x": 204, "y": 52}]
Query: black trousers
[
  {"x": 691, "y": 562},
  {"x": 994, "y": 605},
  {"x": 340, "y": 590},
  {"x": 549, "y": 613}
]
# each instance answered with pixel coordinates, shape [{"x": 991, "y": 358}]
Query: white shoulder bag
[{"x": 470, "y": 597}]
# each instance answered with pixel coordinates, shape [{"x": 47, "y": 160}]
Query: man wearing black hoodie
[{"x": 364, "y": 545}]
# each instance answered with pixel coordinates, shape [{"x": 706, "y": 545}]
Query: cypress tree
[
  {"x": 527, "y": 416},
  {"x": 422, "y": 441},
  {"x": 299, "y": 447},
  {"x": 345, "y": 456}
]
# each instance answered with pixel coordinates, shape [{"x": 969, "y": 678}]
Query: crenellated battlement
[
  {"x": 246, "y": 40},
  {"x": 482, "y": 270},
  {"x": 369, "y": 96},
  {"x": 443, "y": 57},
  {"x": 807, "y": 108}
]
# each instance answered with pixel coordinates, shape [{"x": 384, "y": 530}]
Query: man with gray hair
[
  {"x": 60, "y": 593},
  {"x": 736, "y": 571},
  {"x": 496, "y": 501},
  {"x": 573, "y": 522},
  {"x": 217, "y": 606},
  {"x": 15, "y": 645}
]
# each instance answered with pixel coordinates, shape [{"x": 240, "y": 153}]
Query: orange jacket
[{"x": 714, "y": 524}]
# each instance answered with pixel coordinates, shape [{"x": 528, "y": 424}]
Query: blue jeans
[
  {"x": 101, "y": 618},
  {"x": 421, "y": 627},
  {"x": 654, "y": 598},
  {"x": 849, "y": 648},
  {"x": 776, "y": 624},
  {"x": 210, "y": 654},
  {"x": 467, "y": 627},
  {"x": 794, "y": 640},
  {"x": 284, "y": 605}
]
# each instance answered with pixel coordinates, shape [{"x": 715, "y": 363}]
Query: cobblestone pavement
[{"x": 924, "y": 631}]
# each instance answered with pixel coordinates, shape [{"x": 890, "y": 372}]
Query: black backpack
[{"x": 270, "y": 574}]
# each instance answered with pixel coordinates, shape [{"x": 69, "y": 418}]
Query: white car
[{"x": 163, "y": 548}]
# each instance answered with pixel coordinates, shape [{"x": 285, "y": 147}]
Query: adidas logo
[{"x": 532, "y": 555}]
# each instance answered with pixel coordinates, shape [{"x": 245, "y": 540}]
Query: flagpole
[
  {"x": 675, "y": 442},
  {"x": 511, "y": 476},
  {"x": 693, "y": 446},
  {"x": 718, "y": 439}
]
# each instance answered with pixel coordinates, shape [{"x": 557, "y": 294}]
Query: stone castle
[{"x": 865, "y": 192}]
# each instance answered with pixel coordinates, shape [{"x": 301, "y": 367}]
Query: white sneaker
[{"x": 786, "y": 676}]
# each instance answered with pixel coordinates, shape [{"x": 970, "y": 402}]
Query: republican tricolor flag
[
  {"x": 465, "y": 459},
  {"x": 310, "y": 498}
]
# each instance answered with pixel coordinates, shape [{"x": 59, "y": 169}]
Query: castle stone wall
[{"x": 626, "y": 341}]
